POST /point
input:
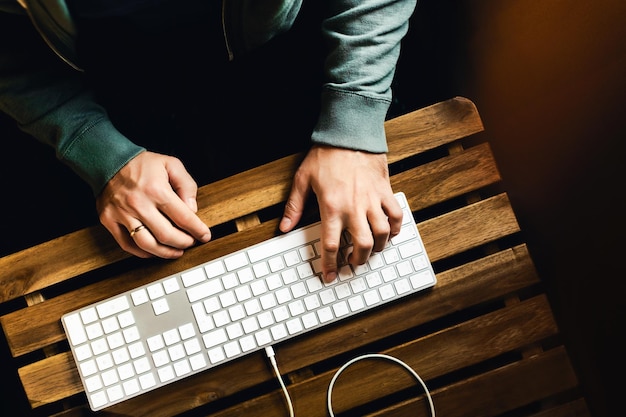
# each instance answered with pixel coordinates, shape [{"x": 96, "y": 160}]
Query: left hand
[
  {"x": 154, "y": 192},
  {"x": 354, "y": 194}
]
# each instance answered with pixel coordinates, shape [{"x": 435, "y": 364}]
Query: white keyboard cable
[
  {"x": 269, "y": 351},
  {"x": 377, "y": 356}
]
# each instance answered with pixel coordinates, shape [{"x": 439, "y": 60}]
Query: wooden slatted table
[{"x": 484, "y": 338}]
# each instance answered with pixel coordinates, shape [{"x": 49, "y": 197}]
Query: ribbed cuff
[
  {"x": 99, "y": 153},
  {"x": 352, "y": 121}
]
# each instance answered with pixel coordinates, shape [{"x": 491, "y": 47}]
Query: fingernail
[
  {"x": 331, "y": 276},
  {"x": 285, "y": 223},
  {"x": 205, "y": 238}
]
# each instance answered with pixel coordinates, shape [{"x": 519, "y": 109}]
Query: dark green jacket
[{"x": 56, "y": 107}]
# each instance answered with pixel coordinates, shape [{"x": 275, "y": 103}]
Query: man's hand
[
  {"x": 157, "y": 192},
  {"x": 354, "y": 194}
]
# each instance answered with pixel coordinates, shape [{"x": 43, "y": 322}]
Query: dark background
[{"x": 548, "y": 79}]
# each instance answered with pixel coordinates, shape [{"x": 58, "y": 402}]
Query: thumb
[{"x": 293, "y": 207}]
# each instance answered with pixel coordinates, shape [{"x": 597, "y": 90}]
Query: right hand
[
  {"x": 354, "y": 194},
  {"x": 155, "y": 191}
]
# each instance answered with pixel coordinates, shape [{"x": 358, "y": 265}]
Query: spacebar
[{"x": 284, "y": 242}]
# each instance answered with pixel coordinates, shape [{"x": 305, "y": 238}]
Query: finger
[
  {"x": 362, "y": 241},
  {"x": 330, "y": 242},
  {"x": 294, "y": 207},
  {"x": 142, "y": 241},
  {"x": 123, "y": 239},
  {"x": 161, "y": 221},
  {"x": 145, "y": 240},
  {"x": 185, "y": 190},
  {"x": 172, "y": 212},
  {"x": 394, "y": 213},
  {"x": 380, "y": 228},
  {"x": 182, "y": 183}
]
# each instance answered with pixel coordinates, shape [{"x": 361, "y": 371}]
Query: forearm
[
  {"x": 50, "y": 101},
  {"x": 364, "y": 45}
]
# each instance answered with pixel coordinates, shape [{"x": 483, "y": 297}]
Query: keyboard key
[
  {"x": 186, "y": 331},
  {"x": 192, "y": 277},
  {"x": 276, "y": 263},
  {"x": 136, "y": 350},
  {"x": 356, "y": 303},
  {"x": 192, "y": 346},
  {"x": 216, "y": 355},
  {"x": 160, "y": 306},
  {"x": 260, "y": 269},
  {"x": 247, "y": 343},
  {"x": 131, "y": 387},
  {"x": 93, "y": 383},
  {"x": 325, "y": 314},
  {"x": 245, "y": 275},
  {"x": 197, "y": 361},
  {"x": 182, "y": 368},
  {"x": 236, "y": 261},
  {"x": 421, "y": 279},
  {"x": 204, "y": 290},
  {"x": 155, "y": 343},
  {"x": 294, "y": 326},
  {"x": 310, "y": 320},
  {"x": 250, "y": 325},
  {"x": 214, "y": 269},
  {"x": 147, "y": 381},
  {"x": 75, "y": 330},
  {"x": 126, "y": 371},
  {"x": 141, "y": 365},
  {"x": 111, "y": 307},
  {"x": 166, "y": 373},
  {"x": 89, "y": 315},
  {"x": 82, "y": 352},
  {"x": 170, "y": 337},
  {"x": 263, "y": 337},
  {"x": 230, "y": 281},
  {"x": 139, "y": 297},
  {"x": 94, "y": 330},
  {"x": 155, "y": 291},
  {"x": 131, "y": 334},
  {"x": 126, "y": 319},
  {"x": 214, "y": 338}
]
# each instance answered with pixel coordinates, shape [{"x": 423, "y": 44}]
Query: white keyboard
[{"x": 218, "y": 311}]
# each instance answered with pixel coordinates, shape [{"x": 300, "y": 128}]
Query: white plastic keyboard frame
[{"x": 139, "y": 340}]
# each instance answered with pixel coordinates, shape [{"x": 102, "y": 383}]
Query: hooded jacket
[{"x": 54, "y": 105}]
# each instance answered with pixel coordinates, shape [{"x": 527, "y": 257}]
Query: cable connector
[{"x": 269, "y": 351}]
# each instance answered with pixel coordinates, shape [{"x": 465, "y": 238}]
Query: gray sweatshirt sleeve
[{"x": 364, "y": 45}]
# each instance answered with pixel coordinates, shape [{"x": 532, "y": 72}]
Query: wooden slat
[
  {"x": 447, "y": 178},
  {"x": 498, "y": 391},
  {"x": 477, "y": 282},
  {"x": 463, "y": 345},
  {"x": 468, "y": 227},
  {"x": 431, "y": 127},
  {"x": 85, "y": 250},
  {"x": 458, "y": 231}
]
